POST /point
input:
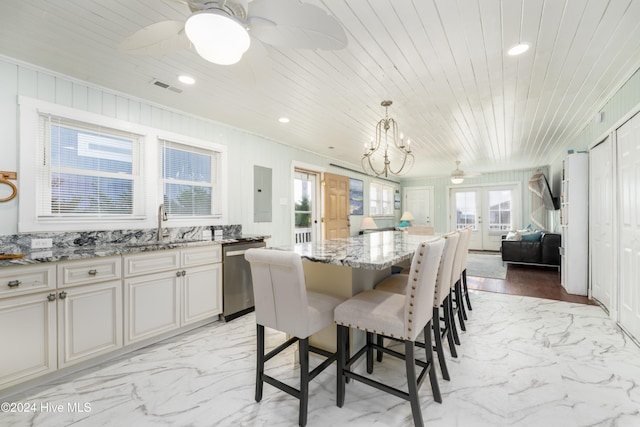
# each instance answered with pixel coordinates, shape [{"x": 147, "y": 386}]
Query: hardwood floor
[{"x": 540, "y": 282}]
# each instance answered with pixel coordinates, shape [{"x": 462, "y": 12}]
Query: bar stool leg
[
  {"x": 380, "y": 342},
  {"x": 412, "y": 383},
  {"x": 370, "y": 352},
  {"x": 438, "y": 339},
  {"x": 452, "y": 321},
  {"x": 259, "y": 362},
  {"x": 446, "y": 313},
  {"x": 342, "y": 361},
  {"x": 433, "y": 378},
  {"x": 466, "y": 289},
  {"x": 460, "y": 305},
  {"x": 303, "y": 349}
]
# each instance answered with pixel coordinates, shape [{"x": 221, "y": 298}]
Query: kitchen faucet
[{"x": 162, "y": 216}]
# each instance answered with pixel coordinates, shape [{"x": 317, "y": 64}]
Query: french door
[{"x": 490, "y": 211}]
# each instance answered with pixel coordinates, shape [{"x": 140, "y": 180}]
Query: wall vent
[{"x": 164, "y": 85}]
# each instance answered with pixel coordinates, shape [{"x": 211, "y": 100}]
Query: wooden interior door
[{"x": 336, "y": 206}]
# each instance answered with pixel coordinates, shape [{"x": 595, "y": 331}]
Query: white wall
[
  {"x": 617, "y": 108},
  {"x": 245, "y": 149}
]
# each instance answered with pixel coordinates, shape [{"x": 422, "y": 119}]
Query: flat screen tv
[{"x": 539, "y": 185}]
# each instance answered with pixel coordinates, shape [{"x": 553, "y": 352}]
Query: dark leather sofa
[{"x": 544, "y": 252}]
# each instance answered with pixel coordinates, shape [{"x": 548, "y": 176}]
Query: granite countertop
[
  {"x": 375, "y": 251},
  {"x": 37, "y": 256}
]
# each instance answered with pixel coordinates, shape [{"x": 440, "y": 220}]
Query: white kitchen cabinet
[
  {"x": 201, "y": 293},
  {"x": 89, "y": 308},
  {"x": 27, "y": 337},
  {"x": 186, "y": 288},
  {"x": 575, "y": 225},
  {"x": 55, "y": 315},
  {"x": 201, "y": 283},
  {"x": 89, "y": 321},
  {"x": 151, "y": 305}
]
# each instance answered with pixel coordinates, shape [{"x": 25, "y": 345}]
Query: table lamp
[
  {"x": 405, "y": 218},
  {"x": 368, "y": 224}
]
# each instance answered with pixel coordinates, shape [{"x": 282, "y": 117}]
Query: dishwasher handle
[{"x": 235, "y": 253}]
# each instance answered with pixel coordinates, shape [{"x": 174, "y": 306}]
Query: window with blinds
[
  {"x": 380, "y": 199},
  {"x": 86, "y": 170},
  {"x": 190, "y": 180}
]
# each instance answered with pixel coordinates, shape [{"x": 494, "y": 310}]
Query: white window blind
[
  {"x": 86, "y": 170},
  {"x": 190, "y": 178},
  {"x": 380, "y": 199}
]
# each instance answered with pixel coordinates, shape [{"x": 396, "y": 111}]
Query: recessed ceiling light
[
  {"x": 188, "y": 80},
  {"x": 283, "y": 119},
  {"x": 518, "y": 49}
]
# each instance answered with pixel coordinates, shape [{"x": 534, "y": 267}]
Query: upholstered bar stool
[
  {"x": 456, "y": 305},
  {"x": 396, "y": 316},
  {"x": 398, "y": 284},
  {"x": 283, "y": 303}
]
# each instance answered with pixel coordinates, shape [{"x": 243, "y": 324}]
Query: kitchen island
[{"x": 347, "y": 266}]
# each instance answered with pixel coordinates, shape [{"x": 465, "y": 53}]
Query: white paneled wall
[{"x": 245, "y": 149}]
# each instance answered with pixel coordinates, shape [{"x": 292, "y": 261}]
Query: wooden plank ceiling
[{"x": 455, "y": 91}]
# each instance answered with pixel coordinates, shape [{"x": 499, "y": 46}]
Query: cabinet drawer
[
  {"x": 201, "y": 256},
  {"x": 23, "y": 280},
  {"x": 151, "y": 262},
  {"x": 72, "y": 273}
]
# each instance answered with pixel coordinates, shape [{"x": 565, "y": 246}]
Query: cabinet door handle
[
  {"x": 14, "y": 283},
  {"x": 62, "y": 295},
  {"x": 93, "y": 272},
  {"x": 178, "y": 273},
  {"x": 51, "y": 297},
  {"x": 184, "y": 272}
]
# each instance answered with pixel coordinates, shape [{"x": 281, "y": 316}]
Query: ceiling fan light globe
[
  {"x": 217, "y": 37},
  {"x": 457, "y": 180}
]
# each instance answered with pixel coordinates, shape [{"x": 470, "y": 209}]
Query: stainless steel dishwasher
[{"x": 237, "y": 288}]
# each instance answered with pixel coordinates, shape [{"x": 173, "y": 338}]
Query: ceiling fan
[
  {"x": 222, "y": 31},
  {"x": 458, "y": 175}
]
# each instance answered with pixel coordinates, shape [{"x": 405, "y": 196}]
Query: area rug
[{"x": 486, "y": 265}]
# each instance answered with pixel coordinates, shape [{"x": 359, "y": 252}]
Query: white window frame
[
  {"x": 150, "y": 196},
  {"x": 45, "y": 171},
  {"x": 217, "y": 218},
  {"x": 377, "y": 193}
]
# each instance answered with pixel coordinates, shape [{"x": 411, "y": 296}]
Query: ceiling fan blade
[
  {"x": 288, "y": 23},
  {"x": 254, "y": 67},
  {"x": 156, "y": 39}
]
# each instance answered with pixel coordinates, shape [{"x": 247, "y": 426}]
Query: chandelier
[{"x": 386, "y": 138}]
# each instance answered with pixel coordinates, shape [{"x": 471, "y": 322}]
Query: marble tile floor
[{"x": 523, "y": 362}]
